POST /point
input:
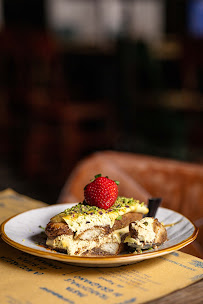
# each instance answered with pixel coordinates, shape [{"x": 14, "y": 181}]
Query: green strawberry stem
[{"x": 98, "y": 175}]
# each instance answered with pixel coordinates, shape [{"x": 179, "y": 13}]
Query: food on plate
[
  {"x": 90, "y": 230},
  {"x": 104, "y": 224},
  {"x": 97, "y": 225},
  {"x": 145, "y": 233}
]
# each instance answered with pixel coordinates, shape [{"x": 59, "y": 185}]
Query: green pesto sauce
[{"x": 121, "y": 202}]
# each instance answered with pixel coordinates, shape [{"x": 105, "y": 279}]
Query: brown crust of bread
[
  {"x": 103, "y": 231},
  {"x": 56, "y": 229},
  {"x": 126, "y": 220},
  {"x": 97, "y": 251},
  {"x": 57, "y": 249},
  {"x": 132, "y": 231},
  {"x": 158, "y": 227}
]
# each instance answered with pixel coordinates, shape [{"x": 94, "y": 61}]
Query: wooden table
[{"x": 192, "y": 294}]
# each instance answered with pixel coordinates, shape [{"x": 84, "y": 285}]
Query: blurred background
[{"x": 79, "y": 76}]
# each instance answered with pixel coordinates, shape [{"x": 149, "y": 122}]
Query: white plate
[{"x": 23, "y": 231}]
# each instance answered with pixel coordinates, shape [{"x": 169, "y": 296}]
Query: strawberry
[{"x": 102, "y": 192}]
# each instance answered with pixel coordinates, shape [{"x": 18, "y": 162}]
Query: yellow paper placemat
[
  {"x": 12, "y": 203},
  {"x": 30, "y": 279}
]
